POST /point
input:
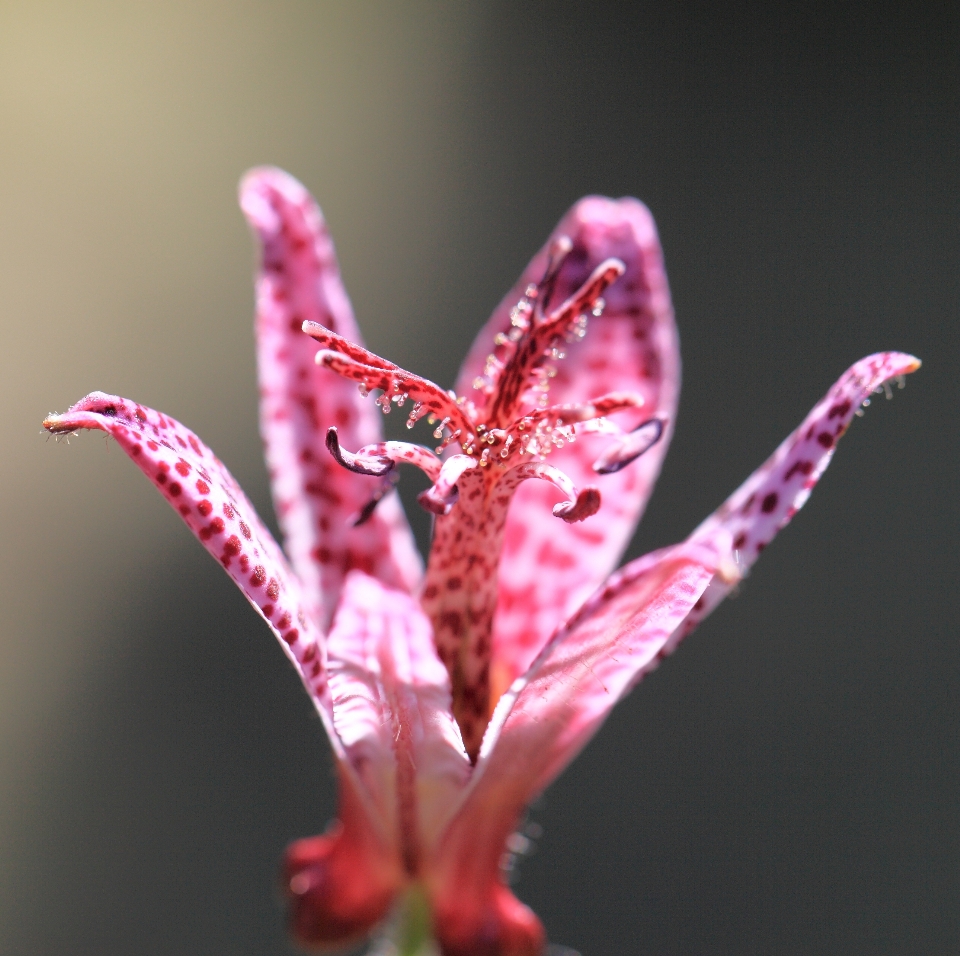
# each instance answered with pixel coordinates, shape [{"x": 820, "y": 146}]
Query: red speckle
[
  {"x": 195, "y": 445},
  {"x": 452, "y": 621},
  {"x": 183, "y": 468},
  {"x": 839, "y": 410},
  {"x": 245, "y": 530},
  {"x": 760, "y": 546},
  {"x": 739, "y": 541},
  {"x": 152, "y": 445},
  {"x": 203, "y": 487},
  {"x": 273, "y": 589},
  {"x": 825, "y": 439},
  {"x": 310, "y": 653},
  {"x": 174, "y": 489},
  {"x": 232, "y": 546},
  {"x": 799, "y": 468},
  {"x": 217, "y": 525},
  {"x": 359, "y": 562},
  {"x": 291, "y": 636},
  {"x": 284, "y": 621},
  {"x": 323, "y": 555},
  {"x": 205, "y": 507},
  {"x": 227, "y": 511},
  {"x": 267, "y": 610},
  {"x": 244, "y": 563},
  {"x": 259, "y": 576},
  {"x": 136, "y": 450},
  {"x": 769, "y": 502},
  {"x": 162, "y": 478},
  {"x": 430, "y": 592},
  {"x": 454, "y": 584},
  {"x": 184, "y": 510}
]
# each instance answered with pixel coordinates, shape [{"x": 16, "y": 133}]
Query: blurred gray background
[{"x": 788, "y": 782}]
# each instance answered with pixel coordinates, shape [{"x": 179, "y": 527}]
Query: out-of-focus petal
[
  {"x": 547, "y": 571},
  {"x": 547, "y": 716},
  {"x": 776, "y": 491},
  {"x": 316, "y": 500},
  {"x": 341, "y": 884},
  {"x": 391, "y": 709},
  {"x": 213, "y": 506}
]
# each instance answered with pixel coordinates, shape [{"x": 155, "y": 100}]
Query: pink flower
[{"x": 453, "y": 695}]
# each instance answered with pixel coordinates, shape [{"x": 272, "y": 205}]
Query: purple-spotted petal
[
  {"x": 547, "y": 571},
  {"x": 547, "y": 716},
  {"x": 316, "y": 500},
  {"x": 753, "y": 515},
  {"x": 212, "y": 505}
]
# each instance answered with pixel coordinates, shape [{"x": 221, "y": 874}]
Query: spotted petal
[
  {"x": 547, "y": 571},
  {"x": 212, "y": 505},
  {"x": 316, "y": 500},
  {"x": 778, "y": 489},
  {"x": 547, "y": 716}
]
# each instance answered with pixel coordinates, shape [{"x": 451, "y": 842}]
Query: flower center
[{"x": 503, "y": 440}]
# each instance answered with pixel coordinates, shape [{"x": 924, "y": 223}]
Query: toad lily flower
[{"x": 453, "y": 696}]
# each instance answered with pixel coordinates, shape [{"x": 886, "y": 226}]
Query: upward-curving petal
[
  {"x": 547, "y": 571},
  {"x": 213, "y": 506},
  {"x": 547, "y": 716},
  {"x": 315, "y": 499},
  {"x": 753, "y": 515}
]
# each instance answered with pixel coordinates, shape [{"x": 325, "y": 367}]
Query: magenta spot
[
  {"x": 203, "y": 487},
  {"x": 798, "y": 468},
  {"x": 183, "y": 468},
  {"x": 825, "y": 439},
  {"x": 769, "y": 502},
  {"x": 136, "y": 450},
  {"x": 452, "y": 621},
  {"x": 454, "y": 584},
  {"x": 760, "y": 546},
  {"x": 204, "y": 507},
  {"x": 739, "y": 541},
  {"x": 840, "y": 409},
  {"x": 430, "y": 592},
  {"x": 162, "y": 478},
  {"x": 153, "y": 446},
  {"x": 185, "y": 510},
  {"x": 174, "y": 489}
]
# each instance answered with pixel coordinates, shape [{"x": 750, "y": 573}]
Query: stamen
[
  {"x": 630, "y": 447},
  {"x": 443, "y": 494},
  {"x": 381, "y": 458},
  {"x": 579, "y": 504}
]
